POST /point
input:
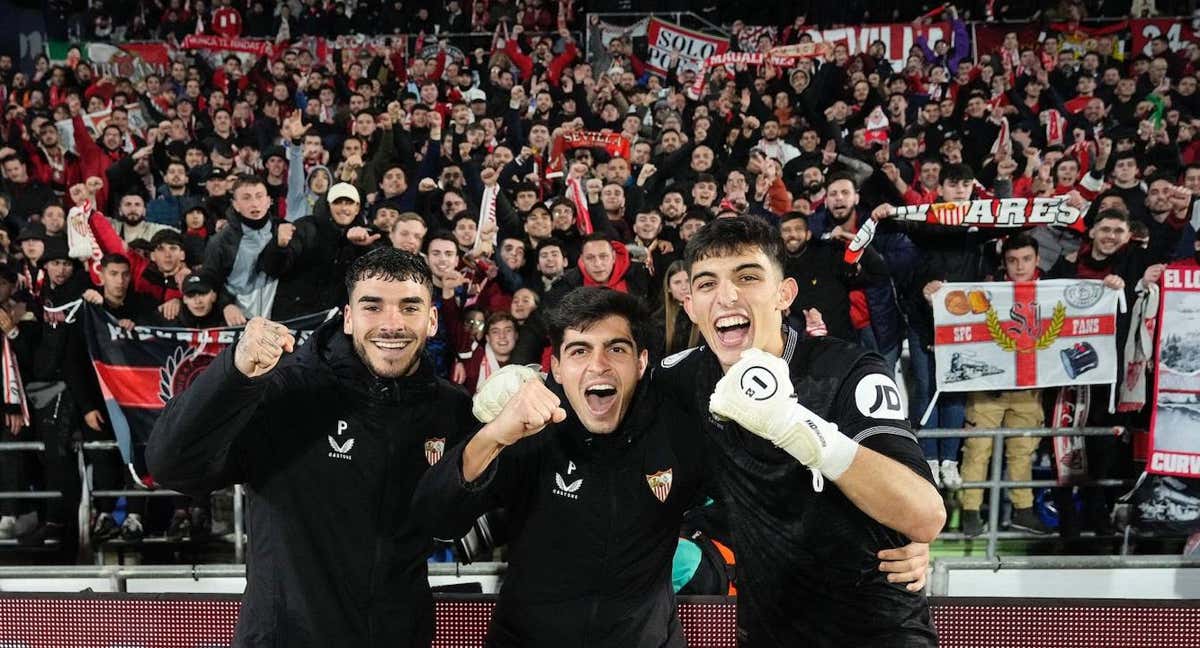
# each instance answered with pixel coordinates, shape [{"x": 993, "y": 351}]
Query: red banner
[
  {"x": 689, "y": 48},
  {"x": 257, "y": 47},
  {"x": 1178, "y": 33},
  {"x": 613, "y": 143},
  {"x": 897, "y": 38}
]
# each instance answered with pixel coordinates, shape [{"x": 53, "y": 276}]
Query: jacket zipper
[{"x": 379, "y": 541}]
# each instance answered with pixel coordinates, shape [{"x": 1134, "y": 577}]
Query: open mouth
[
  {"x": 391, "y": 344},
  {"x": 733, "y": 330},
  {"x": 600, "y": 398}
]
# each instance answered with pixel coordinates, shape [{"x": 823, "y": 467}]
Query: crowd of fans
[{"x": 255, "y": 182}]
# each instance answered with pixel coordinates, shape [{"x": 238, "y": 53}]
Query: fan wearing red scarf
[{"x": 604, "y": 263}]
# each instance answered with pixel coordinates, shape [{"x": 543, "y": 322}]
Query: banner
[
  {"x": 784, "y": 56},
  {"x": 1007, "y": 335},
  {"x": 996, "y": 213},
  {"x": 690, "y": 47},
  {"x": 141, "y": 369},
  {"x": 614, "y": 144},
  {"x": 1179, "y": 34},
  {"x": 133, "y": 61},
  {"x": 258, "y": 47},
  {"x": 897, "y": 39},
  {"x": 1175, "y": 421}
]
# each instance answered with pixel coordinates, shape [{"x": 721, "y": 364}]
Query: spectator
[
  {"x": 499, "y": 341},
  {"x": 672, "y": 318}
]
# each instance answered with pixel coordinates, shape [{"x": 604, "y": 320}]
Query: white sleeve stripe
[{"x": 884, "y": 429}]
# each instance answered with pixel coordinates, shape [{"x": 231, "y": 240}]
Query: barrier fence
[
  {"x": 994, "y": 484},
  {"x": 174, "y": 620}
]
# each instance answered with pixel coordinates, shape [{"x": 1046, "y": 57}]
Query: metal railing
[
  {"x": 87, "y": 493},
  {"x": 994, "y": 484},
  {"x": 119, "y": 575}
]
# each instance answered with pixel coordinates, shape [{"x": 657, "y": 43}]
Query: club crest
[{"x": 660, "y": 484}]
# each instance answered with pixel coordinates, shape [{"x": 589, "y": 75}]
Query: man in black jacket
[
  {"x": 330, "y": 441},
  {"x": 594, "y": 489},
  {"x": 823, "y": 277}
]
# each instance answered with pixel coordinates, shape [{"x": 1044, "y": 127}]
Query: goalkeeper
[{"x": 810, "y": 450}]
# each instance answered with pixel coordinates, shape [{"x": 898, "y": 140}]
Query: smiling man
[
  {"x": 810, "y": 451},
  {"x": 594, "y": 487},
  {"x": 330, "y": 440}
]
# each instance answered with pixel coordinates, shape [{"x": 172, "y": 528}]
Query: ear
[
  {"x": 555, "y": 369},
  {"x": 687, "y": 307},
  {"x": 643, "y": 360},
  {"x": 347, "y": 323},
  {"x": 788, "y": 290},
  {"x": 432, "y": 329}
]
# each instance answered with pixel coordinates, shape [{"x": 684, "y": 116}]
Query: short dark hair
[
  {"x": 497, "y": 317},
  {"x": 389, "y": 264},
  {"x": 840, "y": 176},
  {"x": 584, "y": 306},
  {"x": 1018, "y": 241},
  {"x": 794, "y": 215},
  {"x": 247, "y": 180},
  {"x": 1112, "y": 214},
  {"x": 733, "y": 235},
  {"x": 114, "y": 257},
  {"x": 957, "y": 171},
  {"x": 551, "y": 243}
]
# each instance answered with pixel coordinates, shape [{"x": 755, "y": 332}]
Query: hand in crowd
[
  {"x": 1153, "y": 274},
  {"x": 261, "y": 346},
  {"x": 94, "y": 420},
  {"x": 170, "y": 308},
  {"x": 233, "y": 315},
  {"x": 284, "y": 233},
  {"x": 92, "y": 297},
  {"x": 1114, "y": 282}
]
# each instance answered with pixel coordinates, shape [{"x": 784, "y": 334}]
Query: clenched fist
[
  {"x": 532, "y": 408},
  {"x": 261, "y": 346}
]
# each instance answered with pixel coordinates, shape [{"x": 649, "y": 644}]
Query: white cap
[
  {"x": 475, "y": 94},
  {"x": 342, "y": 190}
]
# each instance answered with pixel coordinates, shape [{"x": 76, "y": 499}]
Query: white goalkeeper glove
[
  {"x": 757, "y": 394},
  {"x": 498, "y": 389}
]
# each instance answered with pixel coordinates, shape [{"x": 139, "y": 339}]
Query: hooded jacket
[
  {"x": 330, "y": 455},
  {"x": 594, "y": 521},
  {"x": 300, "y": 196}
]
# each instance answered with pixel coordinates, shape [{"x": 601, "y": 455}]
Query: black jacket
[
  {"x": 825, "y": 280},
  {"x": 591, "y": 543},
  {"x": 330, "y": 455},
  {"x": 312, "y": 268},
  {"x": 806, "y": 555}
]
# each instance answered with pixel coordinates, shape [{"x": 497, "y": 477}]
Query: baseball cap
[
  {"x": 216, "y": 173},
  {"x": 196, "y": 285},
  {"x": 32, "y": 232},
  {"x": 475, "y": 94},
  {"x": 342, "y": 190},
  {"x": 274, "y": 151}
]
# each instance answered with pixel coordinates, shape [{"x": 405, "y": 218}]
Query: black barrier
[{"x": 95, "y": 620}]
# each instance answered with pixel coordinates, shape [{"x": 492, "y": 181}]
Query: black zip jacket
[
  {"x": 331, "y": 456},
  {"x": 808, "y": 574},
  {"x": 591, "y": 542}
]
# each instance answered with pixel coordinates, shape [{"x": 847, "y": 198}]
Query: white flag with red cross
[{"x": 1025, "y": 335}]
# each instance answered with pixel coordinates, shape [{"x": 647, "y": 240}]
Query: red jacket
[
  {"x": 145, "y": 276},
  {"x": 94, "y": 160}
]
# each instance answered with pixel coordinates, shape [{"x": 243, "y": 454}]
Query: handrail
[{"x": 995, "y": 484}]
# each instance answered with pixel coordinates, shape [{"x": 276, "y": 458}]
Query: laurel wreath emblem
[
  {"x": 1044, "y": 340},
  {"x": 167, "y": 373}
]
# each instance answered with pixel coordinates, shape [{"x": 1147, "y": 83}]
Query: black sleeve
[
  {"x": 198, "y": 443},
  {"x": 447, "y": 505},
  {"x": 868, "y": 409}
]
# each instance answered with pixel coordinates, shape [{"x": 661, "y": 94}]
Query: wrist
[{"x": 813, "y": 441}]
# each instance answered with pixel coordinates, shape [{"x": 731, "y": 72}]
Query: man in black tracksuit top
[
  {"x": 594, "y": 500},
  {"x": 330, "y": 441},
  {"x": 810, "y": 451}
]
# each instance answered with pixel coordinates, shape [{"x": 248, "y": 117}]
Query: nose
[{"x": 727, "y": 293}]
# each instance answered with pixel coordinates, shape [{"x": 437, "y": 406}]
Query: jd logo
[{"x": 878, "y": 397}]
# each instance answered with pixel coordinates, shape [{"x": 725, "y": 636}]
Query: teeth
[
  {"x": 390, "y": 344},
  {"x": 601, "y": 390},
  {"x": 732, "y": 320}
]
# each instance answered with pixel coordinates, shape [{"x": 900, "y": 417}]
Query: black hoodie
[
  {"x": 592, "y": 537},
  {"x": 330, "y": 455}
]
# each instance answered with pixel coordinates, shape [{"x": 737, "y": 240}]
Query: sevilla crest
[
  {"x": 660, "y": 484},
  {"x": 434, "y": 449}
]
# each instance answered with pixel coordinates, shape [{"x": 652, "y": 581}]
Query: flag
[
  {"x": 1025, "y": 335},
  {"x": 487, "y": 211},
  {"x": 141, "y": 369},
  {"x": 877, "y": 127},
  {"x": 583, "y": 218},
  {"x": 10, "y": 373},
  {"x": 1175, "y": 420},
  {"x": 614, "y": 144}
]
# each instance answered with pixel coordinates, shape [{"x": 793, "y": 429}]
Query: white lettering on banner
[
  {"x": 1181, "y": 279},
  {"x": 1175, "y": 464},
  {"x": 962, "y": 334},
  {"x": 1005, "y": 212},
  {"x": 897, "y": 39},
  {"x": 1085, "y": 327}
]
